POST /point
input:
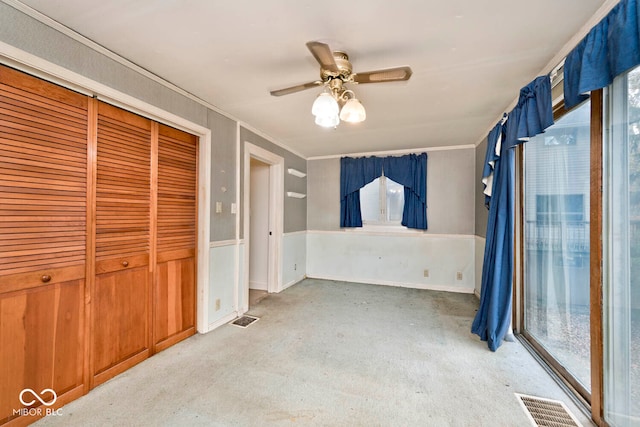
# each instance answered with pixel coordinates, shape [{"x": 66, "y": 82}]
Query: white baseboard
[
  {"x": 293, "y": 282},
  {"x": 425, "y": 286},
  {"x": 476, "y": 293},
  {"x": 261, "y": 286},
  {"x": 223, "y": 321}
]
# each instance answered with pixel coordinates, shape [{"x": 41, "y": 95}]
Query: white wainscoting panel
[
  {"x": 294, "y": 258},
  {"x": 393, "y": 259},
  {"x": 222, "y": 277}
]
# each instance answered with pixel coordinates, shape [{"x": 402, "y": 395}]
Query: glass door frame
[{"x": 594, "y": 399}]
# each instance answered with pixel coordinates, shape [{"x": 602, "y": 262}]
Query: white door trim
[{"x": 276, "y": 208}]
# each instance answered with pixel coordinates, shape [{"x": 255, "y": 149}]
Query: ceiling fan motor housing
[
  {"x": 344, "y": 68},
  {"x": 336, "y": 70}
]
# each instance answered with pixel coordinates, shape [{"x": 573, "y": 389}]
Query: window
[
  {"x": 382, "y": 202},
  {"x": 555, "y": 208},
  {"x": 557, "y": 248},
  {"x": 385, "y": 199},
  {"x": 621, "y": 237}
]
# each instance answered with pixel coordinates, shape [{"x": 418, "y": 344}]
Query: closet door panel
[
  {"x": 121, "y": 294},
  {"x": 124, "y": 325},
  {"x": 39, "y": 335},
  {"x": 174, "y": 296},
  {"x": 43, "y": 210},
  {"x": 175, "y": 301}
]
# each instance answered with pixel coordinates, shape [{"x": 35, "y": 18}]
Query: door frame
[{"x": 276, "y": 208}]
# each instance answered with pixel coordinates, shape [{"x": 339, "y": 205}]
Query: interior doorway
[
  {"x": 263, "y": 214},
  {"x": 258, "y": 230}
]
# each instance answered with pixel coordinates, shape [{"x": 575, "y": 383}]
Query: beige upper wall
[
  {"x": 450, "y": 192},
  {"x": 323, "y": 194},
  {"x": 295, "y": 210}
]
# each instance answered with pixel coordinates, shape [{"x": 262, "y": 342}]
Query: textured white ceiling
[{"x": 469, "y": 59}]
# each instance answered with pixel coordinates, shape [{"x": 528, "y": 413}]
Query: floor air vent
[
  {"x": 244, "y": 321},
  {"x": 547, "y": 412}
]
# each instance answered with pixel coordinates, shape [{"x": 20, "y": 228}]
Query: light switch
[
  {"x": 234, "y": 209},
  {"x": 218, "y": 207}
]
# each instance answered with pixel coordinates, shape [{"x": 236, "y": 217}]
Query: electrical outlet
[
  {"x": 218, "y": 304},
  {"x": 295, "y": 267},
  {"x": 426, "y": 273},
  {"x": 459, "y": 275}
]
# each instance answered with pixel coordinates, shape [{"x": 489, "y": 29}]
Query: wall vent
[{"x": 547, "y": 412}]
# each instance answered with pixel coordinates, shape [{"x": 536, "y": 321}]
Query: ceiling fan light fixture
[
  {"x": 353, "y": 111},
  {"x": 335, "y": 72},
  {"x": 325, "y": 105},
  {"x": 329, "y": 121}
]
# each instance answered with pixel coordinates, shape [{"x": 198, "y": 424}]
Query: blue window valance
[
  {"x": 609, "y": 49},
  {"x": 409, "y": 171},
  {"x": 531, "y": 116},
  {"x": 533, "y": 113}
]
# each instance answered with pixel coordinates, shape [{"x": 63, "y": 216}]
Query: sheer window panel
[
  {"x": 557, "y": 190},
  {"x": 370, "y": 201},
  {"x": 395, "y": 201}
]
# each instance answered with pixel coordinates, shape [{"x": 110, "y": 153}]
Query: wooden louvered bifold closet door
[
  {"x": 98, "y": 219},
  {"x": 122, "y": 294},
  {"x": 174, "y": 302},
  {"x": 43, "y": 194}
]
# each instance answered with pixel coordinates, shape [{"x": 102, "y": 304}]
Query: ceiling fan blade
[
  {"x": 324, "y": 56},
  {"x": 382, "y": 76},
  {"x": 294, "y": 89}
]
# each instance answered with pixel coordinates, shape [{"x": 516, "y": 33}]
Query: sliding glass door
[
  {"x": 621, "y": 237},
  {"x": 556, "y": 246},
  {"x": 582, "y": 295}
]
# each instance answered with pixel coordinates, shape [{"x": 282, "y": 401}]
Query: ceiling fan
[{"x": 335, "y": 72}]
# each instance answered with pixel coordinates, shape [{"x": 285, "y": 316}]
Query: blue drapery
[
  {"x": 409, "y": 171},
  {"x": 493, "y": 317},
  {"x": 609, "y": 49},
  {"x": 355, "y": 174},
  {"x": 532, "y": 115}
]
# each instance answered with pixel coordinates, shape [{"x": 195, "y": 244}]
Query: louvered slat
[
  {"x": 43, "y": 157},
  {"x": 123, "y": 184},
  {"x": 176, "y": 190}
]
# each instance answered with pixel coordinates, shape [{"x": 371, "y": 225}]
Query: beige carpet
[
  {"x": 256, "y": 295},
  {"x": 328, "y": 354}
]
